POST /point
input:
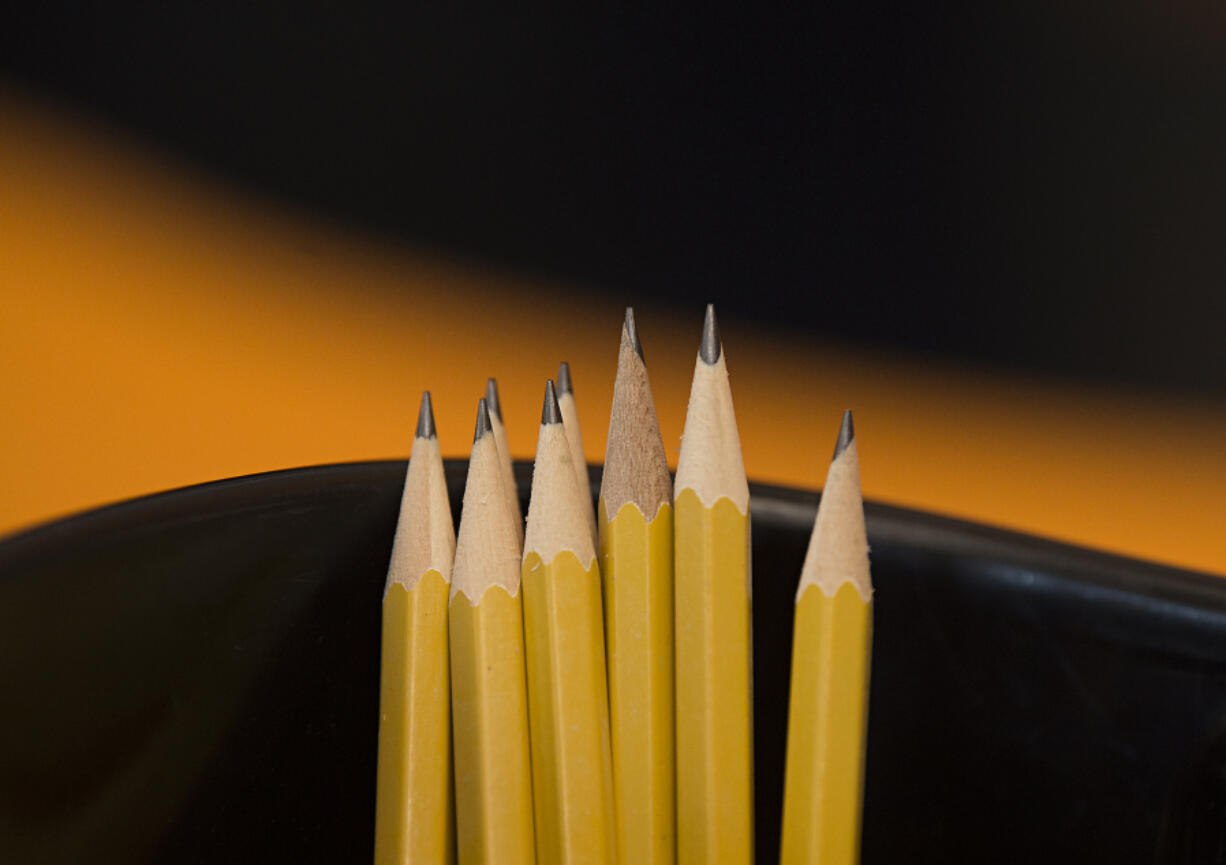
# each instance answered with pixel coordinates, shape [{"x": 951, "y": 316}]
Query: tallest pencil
[{"x": 713, "y": 625}]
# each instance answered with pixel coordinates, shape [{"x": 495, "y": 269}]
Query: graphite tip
[
  {"x": 491, "y": 397},
  {"x": 564, "y": 383},
  {"x": 632, "y": 332},
  {"x": 711, "y": 346},
  {"x": 483, "y": 421},
  {"x": 847, "y": 434},
  {"x": 550, "y": 413},
  {"x": 425, "y": 418}
]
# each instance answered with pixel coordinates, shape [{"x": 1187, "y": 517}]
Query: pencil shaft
[
  {"x": 414, "y": 818},
  {"x": 713, "y": 681},
  {"x": 827, "y": 714},
  {"x": 568, "y": 711},
  {"x": 493, "y": 775},
  {"x": 637, "y": 564}
]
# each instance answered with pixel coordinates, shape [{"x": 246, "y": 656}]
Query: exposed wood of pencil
[
  {"x": 831, "y": 648},
  {"x": 493, "y": 404},
  {"x": 414, "y": 811},
  {"x": 570, "y": 419},
  {"x": 713, "y": 626},
  {"x": 493, "y": 775},
  {"x": 564, "y": 633},
  {"x": 636, "y": 556}
]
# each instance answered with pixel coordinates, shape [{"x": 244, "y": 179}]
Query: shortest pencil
[
  {"x": 831, "y": 647},
  {"x": 489, "y": 702}
]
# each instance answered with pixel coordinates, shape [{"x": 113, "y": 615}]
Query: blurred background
[{"x": 236, "y": 238}]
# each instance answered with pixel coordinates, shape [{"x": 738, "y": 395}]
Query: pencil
[
  {"x": 511, "y": 489},
  {"x": 570, "y": 421},
  {"x": 564, "y": 637},
  {"x": 414, "y": 818},
  {"x": 636, "y": 556},
  {"x": 713, "y": 627},
  {"x": 493, "y": 775},
  {"x": 831, "y": 647}
]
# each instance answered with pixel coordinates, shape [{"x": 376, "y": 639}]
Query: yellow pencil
[
  {"x": 713, "y": 626},
  {"x": 414, "y": 817},
  {"x": 564, "y": 636},
  {"x": 494, "y": 406},
  {"x": 831, "y": 648},
  {"x": 570, "y": 420},
  {"x": 636, "y": 557},
  {"x": 493, "y": 775}
]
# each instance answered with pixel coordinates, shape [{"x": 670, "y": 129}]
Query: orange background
[{"x": 162, "y": 329}]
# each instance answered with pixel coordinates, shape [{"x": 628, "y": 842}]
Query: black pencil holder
[{"x": 193, "y": 677}]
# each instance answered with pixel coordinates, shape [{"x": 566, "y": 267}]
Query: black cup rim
[{"x": 790, "y": 507}]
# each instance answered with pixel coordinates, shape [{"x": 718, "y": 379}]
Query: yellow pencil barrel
[
  {"x": 493, "y": 775},
  {"x": 637, "y": 563},
  {"x": 414, "y": 818},
  {"x": 827, "y": 715},
  {"x": 714, "y": 720},
  {"x": 568, "y": 711}
]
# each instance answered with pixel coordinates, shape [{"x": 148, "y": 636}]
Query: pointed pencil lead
[
  {"x": 483, "y": 421},
  {"x": 491, "y": 397},
  {"x": 711, "y": 346},
  {"x": 551, "y": 413},
  {"x": 564, "y": 382},
  {"x": 847, "y": 434},
  {"x": 425, "y": 418},
  {"x": 632, "y": 331}
]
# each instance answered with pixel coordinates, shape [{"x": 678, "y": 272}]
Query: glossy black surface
[{"x": 193, "y": 677}]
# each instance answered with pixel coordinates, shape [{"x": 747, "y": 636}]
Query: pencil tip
[
  {"x": 551, "y": 412},
  {"x": 425, "y": 418},
  {"x": 564, "y": 382},
  {"x": 847, "y": 434},
  {"x": 711, "y": 347},
  {"x": 491, "y": 397},
  {"x": 483, "y": 421},
  {"x": 632, "y": 331}
]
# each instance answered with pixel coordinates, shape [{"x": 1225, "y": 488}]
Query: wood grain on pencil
[{"x": 636, "y": 553}]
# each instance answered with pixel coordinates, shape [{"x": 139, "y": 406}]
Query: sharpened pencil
[
  {"x": 636, "y": 556},
  {"x": 414, "y": 810},
  {"x": 493, "y": 774},
  {"x": 713, "y": 643},
  {"x": 564, "y": 636},
  {"x": 831, "y": 648}
]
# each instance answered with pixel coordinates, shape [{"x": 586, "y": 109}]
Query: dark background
[{"x": 1038, "y": 184}]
